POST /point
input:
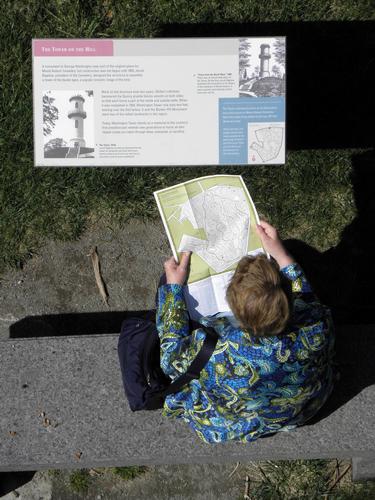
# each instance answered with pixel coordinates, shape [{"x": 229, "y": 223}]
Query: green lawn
[{"x": 310, "y": 198}]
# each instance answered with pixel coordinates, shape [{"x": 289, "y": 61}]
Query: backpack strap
[{"x": 197, "y": 365}]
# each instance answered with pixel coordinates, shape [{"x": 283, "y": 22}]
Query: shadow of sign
[{"x": 330, "y": 68}]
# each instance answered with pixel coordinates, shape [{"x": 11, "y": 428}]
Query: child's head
[{"x": 257, "y": 296}]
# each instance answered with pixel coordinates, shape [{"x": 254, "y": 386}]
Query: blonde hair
[{"x": 257, "y": 298}]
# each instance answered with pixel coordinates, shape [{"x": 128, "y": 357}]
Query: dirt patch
[{"x": 60, "y": 279}]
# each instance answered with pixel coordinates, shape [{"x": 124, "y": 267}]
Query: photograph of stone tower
[
  {"x": 262, "y": 67},
  {"x": 68, "y": 124}
]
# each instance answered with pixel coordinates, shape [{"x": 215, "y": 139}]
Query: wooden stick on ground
[
  {"x": 234, "y": 470},
  {"x": 98, "y": 277},
  {"x": 247, "y": 488},
  {"x": 339, "y": 478}
]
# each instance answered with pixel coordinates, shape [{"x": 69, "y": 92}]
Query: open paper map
[{"x": 214, "y": 217}]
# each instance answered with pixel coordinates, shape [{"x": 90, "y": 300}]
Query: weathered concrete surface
[
  {"x": 61, "y": 279},
  {"x": 75, "y": 383},
  {"x": 363, "y": 469}
]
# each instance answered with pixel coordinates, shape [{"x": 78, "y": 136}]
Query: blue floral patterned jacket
[{"x": 251, "y": 386}]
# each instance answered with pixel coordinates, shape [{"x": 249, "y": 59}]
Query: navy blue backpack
[{"x": 146, "y": 386}]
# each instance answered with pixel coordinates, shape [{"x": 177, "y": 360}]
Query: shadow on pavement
[
  {"x": 10, "y": 481},
  {"x": 52, "y": 325},
  {"x": 343, "y": 278},
  {"x": 330, "y": 68}
]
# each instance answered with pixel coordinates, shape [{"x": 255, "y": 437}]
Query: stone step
[{"x": 63, "y": 406}]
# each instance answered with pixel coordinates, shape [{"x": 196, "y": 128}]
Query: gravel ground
[
  {"x": 173, "y": 482},
  {"x": 60, "y": 278}
]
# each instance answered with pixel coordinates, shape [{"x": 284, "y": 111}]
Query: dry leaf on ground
[{"x": 98, "y": 277}]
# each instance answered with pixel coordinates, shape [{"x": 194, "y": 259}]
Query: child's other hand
[
  {"x": 273, "y": 244},
  {"x": 177, "y": 274}
]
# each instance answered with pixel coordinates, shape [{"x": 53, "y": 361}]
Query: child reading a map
[{"x": 272, "y": 367}]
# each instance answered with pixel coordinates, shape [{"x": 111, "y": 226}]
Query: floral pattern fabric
[{"x": 250, "y": 386}]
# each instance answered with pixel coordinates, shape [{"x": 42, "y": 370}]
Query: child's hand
[
  {"x": 273, "y": 244},
  {"x": 177, "y": 274}
]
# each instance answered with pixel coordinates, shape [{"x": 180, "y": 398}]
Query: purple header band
[{"x": 70, "y": 47}]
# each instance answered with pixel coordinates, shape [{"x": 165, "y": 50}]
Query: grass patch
[
  {"x": 128, "y": 473},
  {"x": 269, "y": 480},
  {"x": 54, "y": 473},
  {"x": 307, "y": 479},
  {"x": 79, "y": 481},
  {"x": 309, "y": 198}
]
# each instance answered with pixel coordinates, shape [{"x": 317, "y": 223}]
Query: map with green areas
[{"x": 215, "y": 218}]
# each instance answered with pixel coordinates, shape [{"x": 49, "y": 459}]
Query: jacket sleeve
[
  {"x": 304, "y": 298},
  {"x": 172, "y": 322},
  {"x": 301, "y": 288}
]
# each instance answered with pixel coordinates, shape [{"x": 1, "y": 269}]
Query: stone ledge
[
  {"x": 363, "y": 469},
  {"x": 75, "y": 383}
]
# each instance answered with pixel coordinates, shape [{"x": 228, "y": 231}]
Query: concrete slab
[
  {"x": 62, "y": 402},
  {"x": 363, "y": 469},
  {"x": 75, "y": 383}
]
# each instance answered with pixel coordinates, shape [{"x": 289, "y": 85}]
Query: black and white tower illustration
[
  {"x": 77, "y": 114},
  {"x": 264, "y": 57},
  {"x": 261, "y": 64},
  {"x": 68, "y": 123}
]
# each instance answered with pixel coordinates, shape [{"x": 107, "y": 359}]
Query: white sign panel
[{"x": 159, "y": 102}]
